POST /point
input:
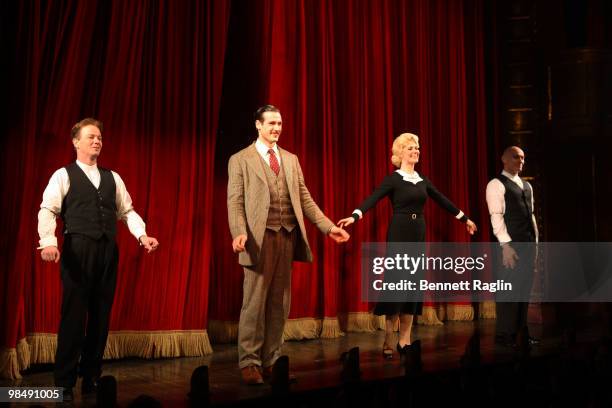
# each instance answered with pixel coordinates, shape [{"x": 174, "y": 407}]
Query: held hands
[
  {"x": 509, "y": 256},
  {"x": 238, "y": 243},
  {"x": 149, "y": 243},
  {"x": 50, "y": 254},
  {"x": 345, "y": 222},
  {"x": 471, "y": 227},
  {"x": 338, "y": 234}
]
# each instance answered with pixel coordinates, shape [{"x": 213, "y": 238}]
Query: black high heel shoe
[{"x": 403, "y": 350}]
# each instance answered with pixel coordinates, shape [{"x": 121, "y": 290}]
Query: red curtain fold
[{"x": 152, "y": 72}]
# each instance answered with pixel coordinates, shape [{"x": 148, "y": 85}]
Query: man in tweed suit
[{"x": 267, "y": 200}]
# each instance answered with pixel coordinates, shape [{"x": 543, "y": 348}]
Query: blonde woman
[{"x": 408, "y": 192}]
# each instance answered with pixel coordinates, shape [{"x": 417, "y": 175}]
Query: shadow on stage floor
[{"x": 316, "y": 363}]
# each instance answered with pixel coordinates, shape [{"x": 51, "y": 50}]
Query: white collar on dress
[{"x": 412, "y": 178}]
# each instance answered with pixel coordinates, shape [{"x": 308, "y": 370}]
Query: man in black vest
[
  {"x": 510, "y": 202},
  {"x": 89, "y": 200}
]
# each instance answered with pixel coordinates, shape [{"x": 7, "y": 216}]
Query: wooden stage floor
[{"x": 315, "y": 363}]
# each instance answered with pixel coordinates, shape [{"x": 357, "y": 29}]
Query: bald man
[{"x": 510, "y": 202}]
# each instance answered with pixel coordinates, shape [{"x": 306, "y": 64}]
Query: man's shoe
[
  {"x": 68, "y": 396},
  {"x": 89, "y": 385},
  {"x": 251, "y": 376}
]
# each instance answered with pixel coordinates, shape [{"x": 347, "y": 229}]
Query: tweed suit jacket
[{"x": 248, "y": 202}]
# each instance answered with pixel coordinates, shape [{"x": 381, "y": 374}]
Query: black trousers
[
  {"x": 512, "y": 314},
  {"x": 89, "y": 276}
]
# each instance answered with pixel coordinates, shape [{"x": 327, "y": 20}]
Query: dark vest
[
  {"x": 89, "y": 211},
  {"x": 519, "y": 211},
  {"x": 280, "y": 214}
]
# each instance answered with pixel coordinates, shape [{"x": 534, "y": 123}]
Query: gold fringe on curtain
[
  {"x": 364, "y": 322},
  {"x": 487, "y": 310},
  {"x": 40, "y": 348},
  {"x": 459, "y": 312},
  {"x": 157, "y": 344},
  {"x": 9, "y": 364},
  {"x": 300, "y": 329},
  {"x": 331, "y": 328},
  {"x": 295, "y": 329},
  {"x": 429, "y": 317},
  {"x": 23, "y": 354}
]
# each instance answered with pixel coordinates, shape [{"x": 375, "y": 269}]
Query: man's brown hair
[{"x": 76, "y": 129}]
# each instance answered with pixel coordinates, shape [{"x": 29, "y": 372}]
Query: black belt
[{"x": 413, "y": 216}]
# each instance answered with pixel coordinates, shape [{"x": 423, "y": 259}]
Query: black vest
[
  {"x": 89, "y": 211},
  {"x": 518, "y": 214}
]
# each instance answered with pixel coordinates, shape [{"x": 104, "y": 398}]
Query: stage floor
[{"x": 315, "y": 363}]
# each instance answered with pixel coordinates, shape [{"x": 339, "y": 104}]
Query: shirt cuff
[
  {"x": 47, "y": 242},
  {"x": 358, "y": 212},
  {"x": 461, "y": 216},
  {"x": 504, "y": 239},
  {"x": 139, "y": 233}
]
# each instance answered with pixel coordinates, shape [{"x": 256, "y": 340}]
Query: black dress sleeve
[
  {"x": 382, "y": 191},
  {"x": 442, "y": 201}
]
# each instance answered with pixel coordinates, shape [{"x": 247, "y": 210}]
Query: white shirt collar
[
  {"x": 263, "y": 149},
  {"x": 86, "y": 167},
  {"x": 413, "y": 178},
  {"x": 514, "y": 177}
]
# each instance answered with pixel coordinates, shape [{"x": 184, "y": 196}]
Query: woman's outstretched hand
[
  {"x": 471, "y": 227},
  {"x": 345, "y": 222}
]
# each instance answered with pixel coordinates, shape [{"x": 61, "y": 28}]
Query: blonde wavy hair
[{"x": 399, "y": 144}]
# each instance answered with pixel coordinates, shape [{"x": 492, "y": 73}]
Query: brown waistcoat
[{"x": 280, "y": 214}]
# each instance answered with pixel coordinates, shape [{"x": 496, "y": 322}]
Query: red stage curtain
[
  {"x": 349, "y": 76},
  {"x": 152, "y": 72}
]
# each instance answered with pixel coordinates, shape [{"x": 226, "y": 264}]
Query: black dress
[{"x": 407, "y": 223}]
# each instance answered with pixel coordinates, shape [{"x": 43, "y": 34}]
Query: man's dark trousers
[{"x": 89, "y": 276}]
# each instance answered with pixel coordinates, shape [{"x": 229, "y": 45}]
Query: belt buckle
[{"x": 413, "y": 216}]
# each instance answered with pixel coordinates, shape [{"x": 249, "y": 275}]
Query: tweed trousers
[{"x": 266, "y": 300}]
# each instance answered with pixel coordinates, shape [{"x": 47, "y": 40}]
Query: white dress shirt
[
  {"x": 497, "y": 207},
  {"x": 262, "y": 149},
  {"x": 57, "y": 189}
]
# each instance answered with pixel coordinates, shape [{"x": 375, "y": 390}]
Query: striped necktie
[{"x": 274, "y": 162}]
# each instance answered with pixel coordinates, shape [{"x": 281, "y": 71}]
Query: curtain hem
[
  {"x": 487, "y": 310},
  {"x": 429, "y": 317},
  {"x": 364, "y": 322},
  {"x": 459, "y": 312},
  {"x": 39, "y": 348},
  {"x": 331, "y": 328},
  {"x": 226, "y": 331}
]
